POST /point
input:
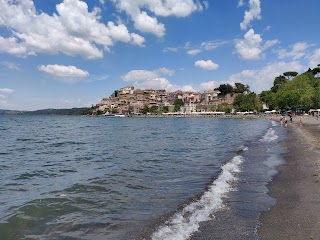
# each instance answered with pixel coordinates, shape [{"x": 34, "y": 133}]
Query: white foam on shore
[
  {"x": 274, "y": 123},
  {"x": 269, "y": 136},
  {"x": 183, "y": 224}
]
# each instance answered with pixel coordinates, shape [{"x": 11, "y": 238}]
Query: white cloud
[
  {"x": 315, "y": 58},
  {"x": 252, "y": 47},
  {"x": 138, "y": 75},
  {"x": 148, "y": 24},
  {"x": 137, "y": 39},
  {"x": 204, "y": 46},
  {"x": 73, "y": 30},
  {"x": 207, "y": 86},
  {"x": 298, "y": 51},
  {"x": 63, "y": 71},
  {"x": 145, "y": 79},
  {"x": 240, "y": 3},
  {"x": 164, "y": 8},
  {"x": 262, "y": 79},
  {"x": 194, "y": 52},
  {"x": 12, "y": 46},
  {"x": 6, "y": 90},
  {"x": 212, "y": 44},
  {"x": 253, "y": 13},
  {"x": 11, "y": 65},
  {"x": 208, "y": 65},
  {"x": 141, "y": 75}
]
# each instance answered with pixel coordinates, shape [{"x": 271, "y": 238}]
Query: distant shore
[{"x": 296, "y": 188}]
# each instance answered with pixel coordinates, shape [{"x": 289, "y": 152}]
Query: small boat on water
[{"x": 107, "y": 114}]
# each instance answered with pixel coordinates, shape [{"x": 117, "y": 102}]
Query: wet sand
[{"x": 296, "y": 188}]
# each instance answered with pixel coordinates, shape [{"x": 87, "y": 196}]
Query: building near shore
[{"x": 128, "y": 100}]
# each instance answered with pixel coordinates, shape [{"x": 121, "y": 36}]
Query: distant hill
[{"x": 72, "y": 111}]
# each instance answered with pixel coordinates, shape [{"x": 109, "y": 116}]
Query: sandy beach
[{"x": 296, "y": 187}]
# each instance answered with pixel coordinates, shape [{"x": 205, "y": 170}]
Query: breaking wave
[{"x": 183, "y": 224}]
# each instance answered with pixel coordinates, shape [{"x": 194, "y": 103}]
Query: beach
[{"x": 296, "y": 187}]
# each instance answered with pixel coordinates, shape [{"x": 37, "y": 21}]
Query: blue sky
[{"x": 72, "y": 53}]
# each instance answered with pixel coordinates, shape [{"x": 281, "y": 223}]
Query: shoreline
[{"x": 296, "y": 187}]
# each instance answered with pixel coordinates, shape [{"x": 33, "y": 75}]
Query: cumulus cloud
[
  {"x": 208, "y": 65},
  {"x": 253, "y": 13},
  {"x": 262, "y": 79},
  {"x": 6, "y": 90},
  {"x": 12, "y": 46},
  {"x": 163, "y": 8},
  {"x": 148, "y": 24},
  {"x": 252, "y": 46},
  {"x": 63, "y": 71},
  {"x": 73, "y": 30},
  {"x": 298, "y": 50},
  {"x": 156, "y": 79},
  {"x": 315, "y": 58},
  {"x": 207, "y": 86},
  {"x": 141, "y": 75}
]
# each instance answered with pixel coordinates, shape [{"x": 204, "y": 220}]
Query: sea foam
[
  {"x": 183, "y": 224},
  {"x": 269, "y": 136}
]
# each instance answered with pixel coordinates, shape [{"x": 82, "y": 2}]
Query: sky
[{"x": 73, "y": 53}]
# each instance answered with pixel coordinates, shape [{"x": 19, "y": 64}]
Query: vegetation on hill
[{"x": 292, "y": 91}]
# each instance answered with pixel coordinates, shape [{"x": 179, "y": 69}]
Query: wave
[
  {"x": 269, "y": 136},
  {"x": 183, "y": 224}
]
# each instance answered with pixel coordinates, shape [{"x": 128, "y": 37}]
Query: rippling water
[{"x": 77, "y": 177}]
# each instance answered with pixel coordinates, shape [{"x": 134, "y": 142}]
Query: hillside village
[{"x": 129, "y": 100}]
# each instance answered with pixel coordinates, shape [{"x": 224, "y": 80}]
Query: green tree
[
  {"x": 145, "y": 109},
  {"x": 223, "y": 107},
  {"x": 278, "y": 82},
  {"x": 165, "y": 109},
  {"x": 247, "y": 102},
  {"x": 177, "y": 104},
  {"x": 240, "y": 88},
  {"x": 153, "y": 109},
  {"x": 290, "y": 75},
  {"x": 224, "y": 89}
]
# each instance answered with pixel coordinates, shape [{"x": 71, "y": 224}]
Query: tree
[
  {"x": 240, "y": 88},
  {"x": 247, "y": 102},
  {"x": 223, "y": 107},
  {"x": 278, "y": 82},
  {"x": 269, "y": 98},
  {"x": 224, "y": 89},
  {"x": 316, "y": 71},
  {"x": 290, "y": 75},
  {"x": 145, "y": 109},
  {"x": 177, "y": 104},
  {"x": 153, "y": 109},
  {"x": 165, "y": 109}
]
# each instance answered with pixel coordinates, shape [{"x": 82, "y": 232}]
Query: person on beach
[
  {"x": 281, "y": 120},
  {"x": 300, "y": 121},
  {"x": 285, "y": 122}
]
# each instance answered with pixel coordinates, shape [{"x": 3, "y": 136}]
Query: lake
[{"x": 81, "y": 177}]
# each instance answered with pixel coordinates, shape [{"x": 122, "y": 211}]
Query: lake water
[{"x": 79, "y": 177}]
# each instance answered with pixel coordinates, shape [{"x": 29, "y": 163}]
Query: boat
[{"x": 108, "y": 114}]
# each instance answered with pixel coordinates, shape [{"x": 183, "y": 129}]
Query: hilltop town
[{"x": 129, "y": 100}]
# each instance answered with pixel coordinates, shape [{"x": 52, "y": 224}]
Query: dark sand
[{"x": 296, "y": 188}]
